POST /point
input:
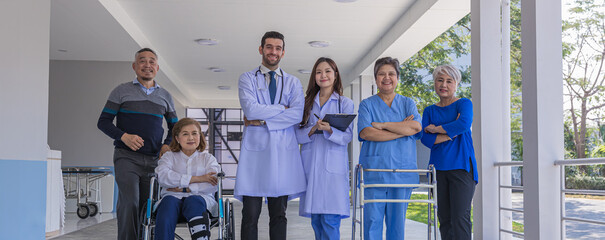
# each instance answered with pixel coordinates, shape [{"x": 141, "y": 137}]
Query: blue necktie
[{"x": 272, "y": 86}]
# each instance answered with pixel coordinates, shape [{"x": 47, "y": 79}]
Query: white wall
[
  {"x": 78, "y": 92},
  {"x": 24, "y": 114},
  {"x": 24, "y": 80}
]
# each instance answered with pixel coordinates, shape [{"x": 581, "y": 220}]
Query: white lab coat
[
  {"x": 175, "y": 169},
  {"x": 326, "y": 160},
  {"x": 269, "y": 161}
]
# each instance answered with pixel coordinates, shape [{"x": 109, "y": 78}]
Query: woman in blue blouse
[{"x": 447, "y": 132}]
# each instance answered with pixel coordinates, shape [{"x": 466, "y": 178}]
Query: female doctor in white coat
[{"x": 324, "y": 152}]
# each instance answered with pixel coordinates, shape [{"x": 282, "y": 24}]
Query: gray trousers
[{"x": 132, "y": 173}]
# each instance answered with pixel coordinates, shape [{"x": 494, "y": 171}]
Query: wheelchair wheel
[
  {"x": 229, "y": 221},
  {"x": 94, "y": 209},
  {"x": 146, "y": 230},
  {"x": 83, "y": 211}
]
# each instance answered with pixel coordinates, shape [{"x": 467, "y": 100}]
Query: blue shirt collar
[
  {"x": 147, "y": 91},
  {"x": 136, "y": 81}
]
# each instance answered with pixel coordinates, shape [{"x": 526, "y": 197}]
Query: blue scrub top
[{"x": 395, "y": 154}]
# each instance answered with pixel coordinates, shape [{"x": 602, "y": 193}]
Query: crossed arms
[{"x": 387, "y": 131}]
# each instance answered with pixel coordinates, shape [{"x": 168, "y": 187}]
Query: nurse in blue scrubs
[
  {"x": 324, "y": 152},
  {"x": 389, "y": 125}
]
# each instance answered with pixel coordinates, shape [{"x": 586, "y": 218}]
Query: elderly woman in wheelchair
[{"x": 188, "y": 179}]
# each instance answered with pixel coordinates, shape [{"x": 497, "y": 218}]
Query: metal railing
[
  {"x": 500, "y": 207},
  {"x": 562, "y": 164},
  {"x": 576, "y": 162}
]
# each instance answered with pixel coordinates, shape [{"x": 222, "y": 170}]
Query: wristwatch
[
  {"x": 262, "y": 122},
  {"x": 184, "y": 189}
]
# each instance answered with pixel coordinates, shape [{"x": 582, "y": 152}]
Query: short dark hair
[
  {"x": 145, "y": 50},
  {"x": 272, "y": 34},
  {"x": 386, "y": 61}
]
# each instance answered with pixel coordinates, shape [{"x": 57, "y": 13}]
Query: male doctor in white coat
[{"x": 270, "y": 165}]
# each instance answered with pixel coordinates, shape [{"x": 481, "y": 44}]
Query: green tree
[
  {"x": 516, "y": 108},
  {"x": 583, "y": 70},
  {"x": 455, "y": 42}
]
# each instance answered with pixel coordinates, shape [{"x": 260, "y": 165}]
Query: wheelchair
[{"x": 224, "y": 221}]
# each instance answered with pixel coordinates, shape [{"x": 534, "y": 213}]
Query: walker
[{"x": 431, "y": 200}]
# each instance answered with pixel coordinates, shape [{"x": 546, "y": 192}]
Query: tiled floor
[
  {"x": 74, "y": 223},
  {"x": 298, "y": 227}
]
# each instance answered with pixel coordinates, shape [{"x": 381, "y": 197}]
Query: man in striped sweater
[{"x": 139, "y": 107}]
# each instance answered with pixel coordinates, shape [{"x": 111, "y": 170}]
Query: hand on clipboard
[{"x": 322, "y": 126}]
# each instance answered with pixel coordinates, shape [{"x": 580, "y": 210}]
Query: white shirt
[
  {"x": 265, "y": 71},
  {"x": 175, "y": 169}
]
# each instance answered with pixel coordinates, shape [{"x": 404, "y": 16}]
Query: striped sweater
[{"x": 140, "y": 114}]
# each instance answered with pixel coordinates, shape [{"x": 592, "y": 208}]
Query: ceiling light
[
  {"x": 62, "y": 50},
  {"x": 224, "y": 87},
  {"x": 319, "y": 44},
  {"x": 206, "y": 41},
  {"x": 345, "y": 1},
  {"x": 216, "y": 69},
  {"x": 304, "y": 71}
]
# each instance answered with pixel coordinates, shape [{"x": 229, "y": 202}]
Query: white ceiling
[{"x": 359, "y": 33}]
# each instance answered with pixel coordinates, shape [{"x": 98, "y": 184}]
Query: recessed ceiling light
[
  {"x": 206, "y": 41},
  {"x": 345, "y": 1},
  {"x": 304, "y": 71},
  {"x": 319, "y": 44},
  {"x": 224, "y": 87},
  {"x": 216, "y": 69}
]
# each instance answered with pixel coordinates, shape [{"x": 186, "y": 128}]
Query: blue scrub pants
[
  {"x": 326, "y": 226},
  {"x": 171, "y": 209},
  {"x": 392, "y": 213}
]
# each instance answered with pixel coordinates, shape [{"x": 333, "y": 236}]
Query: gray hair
[
  {"x": 449, "y": 70},
  {"x": 386, "y": 61},
  {"x": 144, "y": 50}
]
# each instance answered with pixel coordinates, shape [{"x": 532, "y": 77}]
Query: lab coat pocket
[
  {"x": 307, "y": 158},
  {"x": 256, "y": 139},
  {"x": 291, "y": 141},
  {"x": 336, "y": 161}
]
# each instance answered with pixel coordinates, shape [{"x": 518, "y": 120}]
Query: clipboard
[{"x": 340, "y": 121}]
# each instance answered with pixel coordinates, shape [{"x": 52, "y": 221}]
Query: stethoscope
[{"x": 282, "y": 82}]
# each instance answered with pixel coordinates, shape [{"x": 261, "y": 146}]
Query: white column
[
  {"x": 355, "y": 146},
  {"x": 25, "y": 28},
  {"x": 542, "y": 117},
  {"x": 367, "y": 86},
  {"x": 362, "y": 88},
  {"x": 506, "y": 217},
  {"x": 488, "y": 113}
]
